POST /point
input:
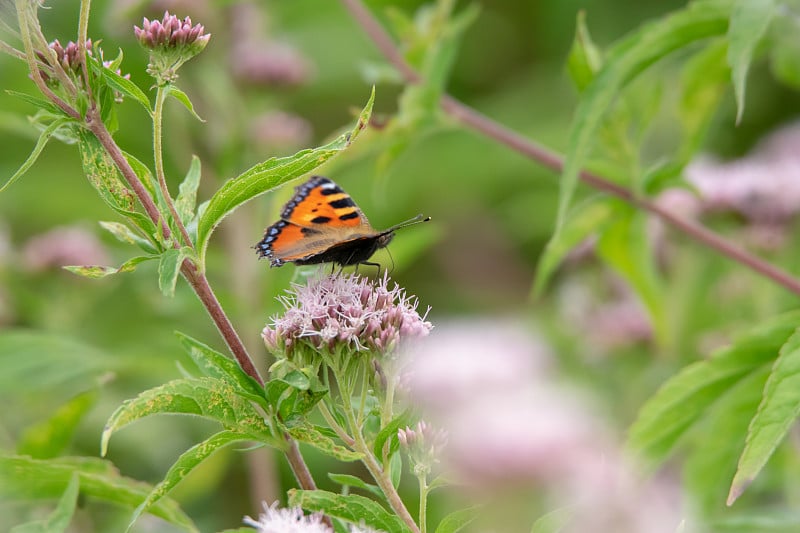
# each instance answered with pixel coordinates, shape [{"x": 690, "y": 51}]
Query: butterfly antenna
[
  {"x": 391, "y": 258},
  {"x": 410, "y": 222}
]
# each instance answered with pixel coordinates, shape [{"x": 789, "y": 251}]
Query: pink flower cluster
[
  {"x": 69, "y": 56},
  {"x": 171, "y": 32},
  {"x": 345, "y": 311}
]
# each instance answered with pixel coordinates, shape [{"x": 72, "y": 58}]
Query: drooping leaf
[
  {"x": 216, "y": 365},
  {"x": 183, "y": 98},
  {"x": 96, "y": 272},
  {"x": 48, "y": 132},
  {"x": 587, "y": 218},
  {"x": 169, "y": 267},
  {"x": 187, "y": 193},
  {"x": 23, "y": 478},
  {"x": 210, "y": 398},
  {"x": 624, "y": 62},
  {"x": 268, "y": 175},
  {"x": 626, "y": 246},
  {"x": 312, "y": 436},
  {"x": 59, "y": 519},
  {"x": 749, "y": 22},
  {"x": 351, "y": 508},
  {"x": 686, "y": 398},
  {"x": 51, "y": 437},
  {"x": 777, "y": 413},
  {"x": 119, "y": 83},
  {"x": 584, "y": 58},
  {"x": 185, "y": 464},
  {"x": 125, "y": 234},
  {"x": 41, "y": 103}
]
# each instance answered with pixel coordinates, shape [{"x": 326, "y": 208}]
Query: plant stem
[
  {"x": 423, "y": 502},
  {"x": 489, "y": 128},
  {"x": 158, "y": 156}
]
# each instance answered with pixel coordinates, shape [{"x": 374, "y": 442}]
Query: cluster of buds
[
  {"x": 69, "y": 56},
  {"x": 345, "y": 313},
  {"x": 423, "y": 443},
  {"x": 171, "y": 42}
]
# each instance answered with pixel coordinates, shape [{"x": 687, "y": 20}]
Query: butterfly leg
[{"x": 378, "y": 265}]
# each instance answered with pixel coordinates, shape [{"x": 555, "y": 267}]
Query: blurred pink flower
[
  {"x": 63, "y": 246},
  {"x": 270, "y": 63},
  {"x": 279, "y": 131}
]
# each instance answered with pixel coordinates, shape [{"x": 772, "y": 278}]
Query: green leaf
[
  {"x": 187, "y": 462},
  {"x": 169, "y": 266},
  {"x": 268, "y": 175},
  {"x": 123, "y": 85},
  {"x": 584, "y": 58},
  {"x": 216, "y": 365},
  {"x": 347, "y": 480},
  {"x": 389, "y": 432},
  {"x": 41, "y": 103},
  {"x": 310, "y": 435},
  {"x": 103, "y": 174},
  {"x": 686, "y": 398},
  {"x": 780, "y": 407},
  {"x": 36, "y": 362},
  {"x": 96, "y": 272},
  {"x": 23, "y": 478},
  {"x": 187, "y": 193},
  {"x": 554, "y": 521},
  {"x": 294, "y": 398},
  {"x": 123, "y": 233},
  {"x": 59, "y": 519},
  {"x": 210, "y": 398},
  {"x": 716, "y": 444},
  {"x": 37, "y": 150},
  {"x": 351, "y": 508},
  {"x": 625, "y": 245},
  {"x": 184, "y": 99},
  {"x": 632, "y": 56},
  {"x": 749, "y": 22},
  {"x": 585, "y": 219},
  {"x": 457, "y": 520},
  {"x": 51, "y": 437}
]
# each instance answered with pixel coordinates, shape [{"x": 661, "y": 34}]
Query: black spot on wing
[
  {"x": 321, "y": 220},
  {"x": 342, "y": 203},
  {"x": 349, "y": 216}
]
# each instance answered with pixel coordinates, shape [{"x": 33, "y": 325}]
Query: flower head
[
  {"x": 291, "y": 520},
  {"x": 424, "y": 443},
  {"x": 69, "y": 56},
  {"x": 351, "y": 312},
  {"x": 171, "y": 42}
]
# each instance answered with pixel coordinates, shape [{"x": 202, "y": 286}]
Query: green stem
[
  {"x": 158, "y": 112},
  {"x": 423, "y": 502},
  {"x": 331, "y": 420}
]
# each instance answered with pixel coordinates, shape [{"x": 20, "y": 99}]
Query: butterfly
[{"x": 322, "y": 224}]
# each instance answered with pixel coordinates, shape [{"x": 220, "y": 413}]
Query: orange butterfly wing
[{"x": 319, "y": 216}]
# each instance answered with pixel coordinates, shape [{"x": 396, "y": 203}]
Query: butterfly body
[{"x": 322, "y": 224}]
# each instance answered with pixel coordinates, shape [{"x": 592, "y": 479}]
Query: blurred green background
[{"x": 280, "y": 76}]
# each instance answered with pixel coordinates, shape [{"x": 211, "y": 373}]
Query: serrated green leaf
[
  {"x": 685, "y": 398},
  {"x": 584, "y": 58},
  {"x": 169, "y": 267},
  {"x": 125, "y": 234},
  {"x": 183, "y": 98},
  {"x": 749, "y": 22},
  {"x": 186, "y": 463},
  {"x": 457, "y": 520},
  {"x": 554, "y": 521},
  {"x": 268, "y": 175},
  {"x": 103, "y": 174},
  {"x": 216, "y": 365},
  {"x": 123, "y": 85},
  {"x": 59, "y": 519},
  {"x": 37, "y": 150},
  {"x": 96, "y": 272},
  {"x": 779, "y": 409},
  {"x": 51, "y": 437},
  {"x": 716, "y": 444},
  {"x": 310, "y": 435},
  {"x": 587, "y": 218},
  {"x": 351, "y": 508},
  {"x": 187, "y": 193},
  {"x": 624, "y": 62},
  {"x": 210, "y": 398},
  {"x": 23, "y": 478}
]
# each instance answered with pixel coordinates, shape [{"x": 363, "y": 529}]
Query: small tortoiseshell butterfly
[{"x": 322, "y": 224}]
